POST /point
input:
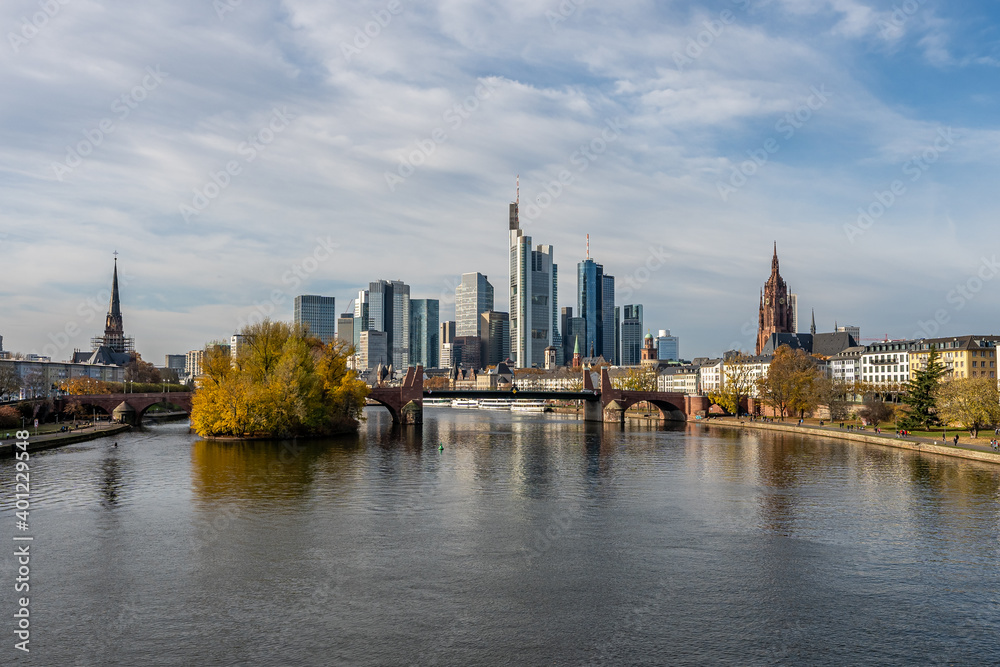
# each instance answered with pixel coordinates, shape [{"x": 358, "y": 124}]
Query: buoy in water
[{"x": 441, "y": 447}]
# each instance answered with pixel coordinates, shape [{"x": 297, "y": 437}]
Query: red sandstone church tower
[{"x": 775, "y": 307}]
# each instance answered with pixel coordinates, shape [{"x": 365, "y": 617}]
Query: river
[{"x": 526, "y": 540}]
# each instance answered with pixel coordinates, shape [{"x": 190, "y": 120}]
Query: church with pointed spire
[
  {"x": 114, "y": 348},
  {"x": 775, "y": 314}
]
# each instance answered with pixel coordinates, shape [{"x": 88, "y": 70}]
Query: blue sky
[{"x": 238, "y": 154}]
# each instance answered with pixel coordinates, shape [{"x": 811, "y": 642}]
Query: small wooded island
[{"x": 279, "y": 382}]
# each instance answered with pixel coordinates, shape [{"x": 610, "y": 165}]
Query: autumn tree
[
  {"x": 636, "y": 378},
  {"x": 280, "y": 383},
  {"x": 437, "y": 382},
  {"x": 790, "y": 381},
  {"x": 876, "y": 411},
  {"x": 10, "y": 417},
  {"x": 736, "y": 382},
  {"x": 138, "y": 370},
  {"x": 921, "y": 393},
  {"x": 971, "y": 402},
  {"x": 85, "y": 385}
]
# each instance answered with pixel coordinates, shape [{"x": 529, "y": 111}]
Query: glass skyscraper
[
  {"x": 317, "y": 314},
  {"x": 534, "y": 314},
  {"x": 424, "y": 334},
  {"x": 473, "y": 297},
  {"x": 632, "y": 335},
  {"x": 389, "y": 311},
  {"x": 595, "y": 301}
]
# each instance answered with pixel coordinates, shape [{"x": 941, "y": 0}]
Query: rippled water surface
[{"x": 527, "y": 540}]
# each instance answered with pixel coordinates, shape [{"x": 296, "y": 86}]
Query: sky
[{"x": 236, "y": 154}]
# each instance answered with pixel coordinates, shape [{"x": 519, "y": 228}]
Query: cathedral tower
[{"x": 775, "y": 314}]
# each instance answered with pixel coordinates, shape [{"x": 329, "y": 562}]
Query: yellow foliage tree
[
  {"x": 280, "y": 383},
  {"x": 85, "y": 385}
]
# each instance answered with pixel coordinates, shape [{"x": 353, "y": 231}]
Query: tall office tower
[
  {"x": 424, "y": 334},
  {"x": 595, "y": 302},
  {"x": 632, "y": 335},
  {"x": 400, "y": 348},
  {"x": 534, "y": 314},
  {"x": 446, "y": 338},
  {"x": 609, "y": 322},
  {"x": 794, "y": 300},
  {"x": 389, "y": 311},
  {"x": 466, "y": 352},
  {"x": 855, "y": 332},
  {"x": 566, "y": 314},
  {"x": 668, "y": 348},
  {"x": 317, "y": 315},
  {"x": 495, "y": 329},
  {"x": 236, "y": 343},
  {"x": 345, "y": 328},
  {"x": 373, "y": 349},
  {"x": 362, "y": 310},
  {"x": 473, "y": 297}
]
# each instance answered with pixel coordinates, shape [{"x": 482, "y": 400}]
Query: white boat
[
  {"x": 537, "y": 405},
  {"x": 494, "y": 403},
  {"x": 465, "y": 403},
  {"x": 437, "y": 402}
]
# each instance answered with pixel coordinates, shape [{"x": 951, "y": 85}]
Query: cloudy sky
[{"x": 238, "y": 153}]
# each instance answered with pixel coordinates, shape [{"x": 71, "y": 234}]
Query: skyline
[{"x": 828, "y": 106}]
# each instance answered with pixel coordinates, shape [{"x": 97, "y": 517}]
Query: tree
[
  {"x": 10, "y": 381},
  {"x": 971, "y": 402},
  {"x": 876, "y": 411},
  {"x": 736, "y": 382},
  {"x": 789, "y": 383},
  {"x": 636, "y": 378},
  {"x": 834, "y": 396},
  {"x": 10, "y": 417},
  {"x": 76, "y": 410},
  {"x": 437, "y": 382},
  {"x": 138, "y": 370},
  {"x": 921, "y": 393},
  {"x": 280, "y": 383},
  {"x": 85, "y": 385},
  {"x": 34, "y": 383}
]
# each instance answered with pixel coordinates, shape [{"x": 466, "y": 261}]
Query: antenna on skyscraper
[
  {"x": 517, "y": 181},
  {"x": 588, "y": 246}
]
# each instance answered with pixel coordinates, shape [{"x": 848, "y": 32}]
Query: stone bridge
[
  {"x": 127, "y": 408},
  {"x": 601, "y": 404}
]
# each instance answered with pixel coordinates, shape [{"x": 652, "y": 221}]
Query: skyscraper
[
  {"x": 317, "y": 315},
  {"x": 794, "y": 300},
  {"x": 495, "y": 329},
  {"x": 362, "y": 312},
  {"x": 534, "y": 313},
  {"x": 632, "y": 335},
  {"x": 609, "y": 322},
  {"x": 473, "y": 297},
  {"x": 596, "y": 305},
  {"x": 389, "y": 311},
  {"x": 345, "y": 329},
  {"x": 424, "y": 334},
  {"x": 447, "y": 340},
  {"x": 668, "y": 348}
]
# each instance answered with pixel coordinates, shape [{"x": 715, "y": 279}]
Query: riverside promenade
[
  {"x": 927, "y": 445},
  {"x": 50, "y": 440}
]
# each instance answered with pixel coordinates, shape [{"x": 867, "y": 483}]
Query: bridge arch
[
  {"x": 393, "y": 410},
  {"x": 669, "y": 411}
]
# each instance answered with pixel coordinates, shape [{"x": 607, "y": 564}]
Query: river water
[{"x": 527, "y": 540}]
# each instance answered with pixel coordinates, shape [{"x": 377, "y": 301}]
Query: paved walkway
[{"x": 868, "y": 432}]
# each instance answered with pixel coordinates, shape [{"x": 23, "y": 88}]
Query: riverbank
[
  {"x": 926, "y": 445},
  {"x": 38, "y": 443}
]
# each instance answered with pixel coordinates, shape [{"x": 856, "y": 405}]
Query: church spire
[
  {"x": 812, "y": 327},
  {"x": 774, "y": 259},
  {"x": 114, "y": 329}
]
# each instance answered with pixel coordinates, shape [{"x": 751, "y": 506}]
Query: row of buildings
[{"x": 883, "y": 366}]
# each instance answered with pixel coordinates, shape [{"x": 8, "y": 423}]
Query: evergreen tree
[{"x": 921, "y": 394}]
